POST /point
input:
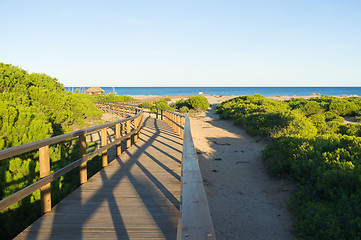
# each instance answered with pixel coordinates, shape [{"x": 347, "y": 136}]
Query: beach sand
[{"x": 245, "y": 202}]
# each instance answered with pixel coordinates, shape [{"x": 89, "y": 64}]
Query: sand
[{"x": 245, "y": 202}]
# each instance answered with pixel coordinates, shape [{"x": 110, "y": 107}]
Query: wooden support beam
[
  {"x": 117, "y": 136},
  {"x": 104, "y": 142},
  {"x": 129, "y": 140},
  {"x": 173, "y": 122},
  {"x": 182, "y": 126},
  {"x": 178, "y": 124},
  {"x": 82, "y": 153},
  {"x": 44, "y": 164},
  {"x": 136, "y": 122}
]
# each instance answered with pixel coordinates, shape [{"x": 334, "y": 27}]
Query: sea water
[{"x": 228, "y": 91}]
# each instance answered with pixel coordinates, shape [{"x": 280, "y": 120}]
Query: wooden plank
[
  {"x": 196, "y": 221},
  {"x": 134, "y": 197},
  {"x": 6, "y": 202}
]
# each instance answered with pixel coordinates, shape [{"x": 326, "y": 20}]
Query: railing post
[
  {"x": 104, "y": 142},
  {"x": 182, "y": 126},
  {"x": 135, "y": 127},
  {"x": 129, "y": 140},
  {"x": 140, "y": 118},
  {"x": 178, "y": 124},
  {"x": 161, "y": 115},
  {"x": 82, "y": 153},
  {"x": 173, "y": 122},
  {"x": 156, "y": 114},
  {"x": 117, "y": 136},
  {"x": 45, "y": 191}
]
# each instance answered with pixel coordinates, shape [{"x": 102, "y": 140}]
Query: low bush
[
  {"x": 184, "y": 109},
  {"x": 33, "y": 107},
  {"x": 111, "y": 97},
  {"x": 164, "y": 105},
  {"x": 180, "y": 103},
  {"x": 199, "y": 102}
]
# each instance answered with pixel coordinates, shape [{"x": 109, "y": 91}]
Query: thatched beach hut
[{"x": 95, "y": 90}]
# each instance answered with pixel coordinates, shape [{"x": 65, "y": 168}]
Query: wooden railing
[
  {"x": 125, "y": 129},
  {"x": 194, "y": 221}
]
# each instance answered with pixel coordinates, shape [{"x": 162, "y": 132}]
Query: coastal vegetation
[
  {"x": 162, "y": 103},
  {"x": 312, "y": 147},
  {"x": 111, "y": 97},
  {"x": 34, "y": 107},
  {"x": 197, "y": 103}
]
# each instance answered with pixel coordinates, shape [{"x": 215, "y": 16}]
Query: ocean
[{"x": 228, "y": 91}]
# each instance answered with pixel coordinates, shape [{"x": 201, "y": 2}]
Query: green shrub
[
  {"x": 350, "y": 130},
  {"x": 180, "y": 103},
  {"x": 343, "y": 107},
  {"x": 147, "y": 104},
  {"x": 198, "y": 102},
  {"x": 111, "y": 97},
  {"x": 298, "y": 126},
  {"x": 184, "y": 109},
  {"x": 33, "y": 107},
  {"x": 163, "y": 100},
  {"x": 331, "y": 116},
  {"x": 164, "y": 105},
  {"x": 310, "y": 108}
]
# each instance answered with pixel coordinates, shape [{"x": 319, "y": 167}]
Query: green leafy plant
[{"x": 33, "y": 107}]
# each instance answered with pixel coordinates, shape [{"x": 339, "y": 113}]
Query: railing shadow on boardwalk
[
  {"x": 142, "y": 178},
  {"x": 145, "y": 189}
]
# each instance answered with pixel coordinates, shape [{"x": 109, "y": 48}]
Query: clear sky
[{"x": 185, "y": 43}]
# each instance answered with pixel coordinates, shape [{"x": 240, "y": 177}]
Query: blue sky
[{"x": 185, "y": 43}]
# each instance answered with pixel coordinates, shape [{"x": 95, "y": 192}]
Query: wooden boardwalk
[{"x": 135, "y": 197}]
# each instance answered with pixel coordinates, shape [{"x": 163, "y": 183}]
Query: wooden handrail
[
  {"x": 195, "y": 220},
  {"x": 43, "y": 145},
  {"x": 27, "y": 147}
]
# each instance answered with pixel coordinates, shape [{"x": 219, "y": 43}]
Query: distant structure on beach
[
  {"x": 95, "y": 90},
  {"x": 200, "y": 93}
]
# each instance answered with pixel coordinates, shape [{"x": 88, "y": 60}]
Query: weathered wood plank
[
  {"x": 135, "y": 197},
  {"x": 196, "y": 221}
]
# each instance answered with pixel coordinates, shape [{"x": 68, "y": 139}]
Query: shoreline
[{"x": 220, "y": 98}]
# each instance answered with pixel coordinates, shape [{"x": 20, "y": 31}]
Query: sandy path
[{"x": 245, "y": 202}]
